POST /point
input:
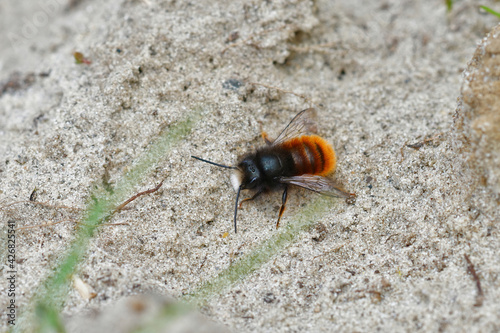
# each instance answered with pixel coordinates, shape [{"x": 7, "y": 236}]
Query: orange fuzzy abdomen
[{"x": 311, "y": 155}]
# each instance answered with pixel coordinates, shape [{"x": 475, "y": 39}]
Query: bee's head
[{"x": 247, "y": 175}]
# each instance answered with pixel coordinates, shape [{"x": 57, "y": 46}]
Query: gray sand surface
[{"x": 384, "y": 77}]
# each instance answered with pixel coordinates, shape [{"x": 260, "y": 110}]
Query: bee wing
[
  {"x": 319, "y": 184},
  {"x": 302, "y": 123}
]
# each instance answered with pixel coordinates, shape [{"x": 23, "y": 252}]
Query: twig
[
  {"x": 135, "y": 197},
  {"x": 419, "y": 144},
  {"x": 121, "y": 207},
  {"x": 45, "y": 225},
  {"x": 66, "y": 220},
  {"x": 202, "y": 263},
  {"x": 43, "y": 204},
  {"x": 472, "y": 271}
]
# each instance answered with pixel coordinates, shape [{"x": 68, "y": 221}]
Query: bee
[{"x": 295, "y": 158}]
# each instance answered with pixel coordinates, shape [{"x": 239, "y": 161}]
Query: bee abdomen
[{"x": 311, "y": 155}]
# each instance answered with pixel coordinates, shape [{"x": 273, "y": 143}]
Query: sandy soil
[{"x": 385, "y": 78}]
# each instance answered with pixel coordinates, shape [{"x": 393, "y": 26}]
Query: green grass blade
[
  {"x": 449, "y": 5},
  {"x": 489, "y": 10},
  {"x": 248, "y": 264},
  {"x": 51, "y": 294},
  {"x": 285, "y": 236}
]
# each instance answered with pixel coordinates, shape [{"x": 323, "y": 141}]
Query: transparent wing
[
  {"x": 319, "y": 184},
  {"x": 304, "y": 122}
]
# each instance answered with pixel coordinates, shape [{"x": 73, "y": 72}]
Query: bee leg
[
  {"x": 283, "y": 206},
  {"x": 266, "y": 138},
  {"x": 253, "y": 197}
]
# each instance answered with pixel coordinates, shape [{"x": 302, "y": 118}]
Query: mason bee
[{"x": 296, "y": 157}]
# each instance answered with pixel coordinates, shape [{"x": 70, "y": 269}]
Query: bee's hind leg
[{"x": 283, "y": 206}]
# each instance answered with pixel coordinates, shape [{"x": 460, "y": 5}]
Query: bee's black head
[{"x": 247, "y": 175}]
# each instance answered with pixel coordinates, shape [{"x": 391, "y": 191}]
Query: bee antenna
[
  {"x": 236, "y": 208},
  {"x": 213, "y": 163}
]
